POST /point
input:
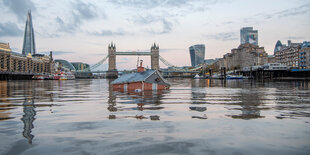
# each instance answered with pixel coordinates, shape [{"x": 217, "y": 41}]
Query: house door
[
  {"x": 125, "y": 87},
  {"x": 154, "y": 86}
]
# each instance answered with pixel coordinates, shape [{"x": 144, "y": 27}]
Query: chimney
[{"x": 140, "y": 68}]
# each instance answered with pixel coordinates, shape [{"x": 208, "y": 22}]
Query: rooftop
[{"x": 133, "y": 77}]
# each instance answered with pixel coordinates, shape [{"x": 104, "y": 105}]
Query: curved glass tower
[
  {"x": 277, "y": 47},
  {"x": 197, "y": 53},
  {"x": 29, "y": 43}
]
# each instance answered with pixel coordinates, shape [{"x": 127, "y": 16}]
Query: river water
[{"x": 193, "y": 117}]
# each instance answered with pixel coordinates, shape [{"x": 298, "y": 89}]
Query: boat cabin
[{"x": 141, "y": 80}]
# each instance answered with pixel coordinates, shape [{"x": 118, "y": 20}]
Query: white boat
[
  {"x": 64, "y": 76},
  {"x": 234, "y": 77},
  {"x": 197, "y": 76}
]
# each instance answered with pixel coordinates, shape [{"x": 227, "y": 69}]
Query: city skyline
[{"x": 81, "y": 31}]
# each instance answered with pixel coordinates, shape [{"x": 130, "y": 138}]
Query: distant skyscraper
[
  {"x": 248, "y": 35},
  {"x": 277, "y": 47},
  {"x": 197, "y": 53},
  {"x": 29, "y": 45}
]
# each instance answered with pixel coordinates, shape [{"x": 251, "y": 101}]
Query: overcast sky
[{"x": 79, "y": 30}]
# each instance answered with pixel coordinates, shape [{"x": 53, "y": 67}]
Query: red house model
[{"x": 141, "y": 80}]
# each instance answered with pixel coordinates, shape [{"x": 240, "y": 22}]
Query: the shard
[{"x": 29, "y": 43}]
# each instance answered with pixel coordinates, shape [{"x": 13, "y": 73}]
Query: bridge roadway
[
  {"x": 133, "y": 53},
  {"x": 160, "y": 70}
]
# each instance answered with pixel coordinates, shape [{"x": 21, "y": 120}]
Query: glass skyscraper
[
  {"x": 29, "y": 43},
  {"x": 197, "y": 54},
  {"x": 277, "y": 47},
  {"x": 248, "y": 35}
]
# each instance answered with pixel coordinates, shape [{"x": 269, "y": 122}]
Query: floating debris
[
  {"x": 201, "y": 117},
  {"x": 200, "y": 109},
  {"x": 154, "y": 117},
  {"x": 140, "y": 117},
  {"x": 6, "y": 118},
  {"x": 112, "y": 117}
]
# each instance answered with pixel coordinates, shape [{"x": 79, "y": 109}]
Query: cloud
[
  {"x": 151, "y": 4},
  {"x": 161, "y": 50},
  {"x": 20, "y": 7},
  {"x": 301, "y": 10},
  {"x": 295, "y": 38},
  {"x": 65, "y": 27},
  {"x": 155, "y": 24},
  {"x": 57, "y": 52},
  {"x": 146, "y": 4},
  {"x": 223, "y": 36},
  {"x": 166, "y": 27},
  {"x": 294, "y": 11},
  {"x": 109, "y": 33},
  {"x": 164, "y": 14},
  {"x": 10, "y": 29},
  {"x": 81, "y": 12}
]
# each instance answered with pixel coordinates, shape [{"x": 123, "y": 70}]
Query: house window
[{"x": 157, "y": 79}]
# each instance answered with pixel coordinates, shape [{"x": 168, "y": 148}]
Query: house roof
[{"x": 135, "y": 77}]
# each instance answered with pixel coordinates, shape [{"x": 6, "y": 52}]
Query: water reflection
[
  {"x": 28, "y": 118},
  {"x": 202, "y": 113},
  {"x": 249, "y": 103},
  {"x": 199, "y": 97},
  {"x": 22, "y": 94},
  {"x": 293, "y": 100},
  {"x": 4, "y": 102},
  {"x": 119, "y": 101}
]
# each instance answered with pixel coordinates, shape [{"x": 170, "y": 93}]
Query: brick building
[
  {"x": 289, "y": 54},
  {"x": 12, "y": 62},
  {"x": 304, "y": 55},
  {"x": 244, "y": 56}
]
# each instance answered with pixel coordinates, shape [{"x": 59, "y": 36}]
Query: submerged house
[{"x": 141, "y": 80}]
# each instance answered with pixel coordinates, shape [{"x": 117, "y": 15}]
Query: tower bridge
[{"x": 154, "y": 54}]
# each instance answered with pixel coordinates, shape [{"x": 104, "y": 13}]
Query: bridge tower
[
  {"x": 112, "y": 72},
  {"x": 155, "y": 57}
]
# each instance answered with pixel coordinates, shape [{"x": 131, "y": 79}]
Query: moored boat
[
  {"x": 64, "y": 76},
  {"x": 234, "y": 77}
]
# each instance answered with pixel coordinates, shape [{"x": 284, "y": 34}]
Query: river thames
[{"x": 193, "y": 117}]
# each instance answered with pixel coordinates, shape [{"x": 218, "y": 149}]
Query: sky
[{"x": 80, "y": 31}]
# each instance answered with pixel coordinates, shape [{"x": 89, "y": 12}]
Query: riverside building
[
  {"x": 304, "y": 55},
  {"x": 246, "y": 55},
  {"x": 23, "y": 66},
  {"x": 289, "y": 55}
]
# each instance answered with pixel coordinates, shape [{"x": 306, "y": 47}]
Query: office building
[
  {"x": 248, "y": 35},
  {"x": 278, "y": 47},
  {"x": 197, "y": 54},
  {"x": 29, "y": 43}
]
